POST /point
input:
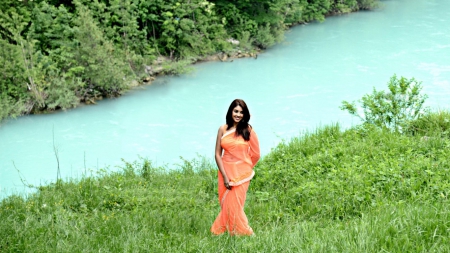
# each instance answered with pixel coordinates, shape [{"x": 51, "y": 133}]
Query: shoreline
[{"x": 164, "y": 66}]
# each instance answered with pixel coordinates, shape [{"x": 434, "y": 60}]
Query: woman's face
[{"x": 237, "y": 114}]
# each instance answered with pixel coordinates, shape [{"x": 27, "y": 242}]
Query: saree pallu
[{"x": 238, "y": 160}]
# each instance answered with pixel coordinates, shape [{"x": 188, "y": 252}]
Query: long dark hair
[{"x": 242, "y": 126}]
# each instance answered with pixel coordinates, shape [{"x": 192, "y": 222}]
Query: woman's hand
[{"x": 227, "y": 183}]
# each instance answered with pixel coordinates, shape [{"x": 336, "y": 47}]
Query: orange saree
[{"x": 239, "y": 157}]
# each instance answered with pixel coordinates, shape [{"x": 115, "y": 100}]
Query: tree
[
  {"x": 95, "y": 59},
  {"x": 392, "y": 109}
]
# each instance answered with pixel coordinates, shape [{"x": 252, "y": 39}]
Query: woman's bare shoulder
[{"x": 222, "y": 129}]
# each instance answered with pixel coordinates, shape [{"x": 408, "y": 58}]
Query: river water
[{"x": 295, "y": 86}]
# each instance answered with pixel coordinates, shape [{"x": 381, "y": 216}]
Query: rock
[
  {"x": 148, "y": 69},
  {"x": 224, "y": 57},
  {"x": 157, "y": 70},
  {"x": 215, "y": 57},
  {"x": 233, "y": 41},
  {"x": 90, "y": 101},
  {"x": 134, "y": 83},
  {"x": 149, "y": 79}
]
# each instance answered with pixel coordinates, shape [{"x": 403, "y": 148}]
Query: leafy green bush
[
  {"x": 13, "y": 81},
  {"x": 392, "y": 109},
  {"x": 61, "y": 93},
  {"x": 103, "y": 70},
  {"x": 10, "y": 107},
  {"x": 245, "y": 41},
  {"x": 345, "y": 6}
]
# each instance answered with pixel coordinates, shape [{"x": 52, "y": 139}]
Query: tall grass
[
  {"x": 432, "y": 124},
  {"x": 358, "y": 190},
  {"x": 339, "y": 174}
]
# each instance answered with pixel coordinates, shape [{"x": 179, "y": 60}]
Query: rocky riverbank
[{"x": 164, "y": 65}]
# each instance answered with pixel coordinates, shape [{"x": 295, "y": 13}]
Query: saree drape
[{"x": 239, "y": 157}]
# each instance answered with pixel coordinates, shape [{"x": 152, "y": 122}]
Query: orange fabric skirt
[{"x": 232, "y": 217}]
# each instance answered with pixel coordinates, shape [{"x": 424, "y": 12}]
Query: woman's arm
[
  {"x": 254, "y": 147},
  {"x": 218, "y": 157}
]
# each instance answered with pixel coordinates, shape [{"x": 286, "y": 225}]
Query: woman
[{"x": 239, "y": 144}]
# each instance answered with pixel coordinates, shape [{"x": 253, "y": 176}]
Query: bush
[
  {"x": 102, "y": 68},
  {"x": 61, "y": 93},
  {"x": 392, "y": 109},
  {"x": 10, "y": 107},
  {"x": 245, "y": 41}
]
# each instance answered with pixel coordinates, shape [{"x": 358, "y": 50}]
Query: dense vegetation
[
  {"x": 360, "y": 190},
  {"x": 371, "y": 188},
  {"x": 56, "y": 54}
]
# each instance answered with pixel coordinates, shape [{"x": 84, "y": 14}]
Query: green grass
[
  {"x": 358, "y": 190},
  {"x": 432, "y": 124}
]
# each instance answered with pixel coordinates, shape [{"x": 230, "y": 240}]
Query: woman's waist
[{"x": 229, "y": 158}]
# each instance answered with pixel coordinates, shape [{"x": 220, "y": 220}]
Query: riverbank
[
  {"x": 356, "y": 190},
  {"x": 165, "y": 66},
  {"x": 70, "y": 53}
]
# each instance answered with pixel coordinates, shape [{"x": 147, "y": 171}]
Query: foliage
[
  {"x": 264, "y": 38},
  {"x": 12, "y": 81},
  {"x": 10, "y": 8},
  {"x": 179, "y": 67},
  {"x": 392, "y": 109},
  {"x": 316, "y": 10},
  {"x": 337, "y": 175},
  {"x": 431, "y": 124},
  {"x": 245, "y": 41},
  {"x": 95, "y": 56},
  {"x": 10, "y": 107},
  {"x": 264, "y": 20},
  {"x": 345, "y": 6},
  {"x": 61, "y": 94},
  {"x": 52, "y": 28}
]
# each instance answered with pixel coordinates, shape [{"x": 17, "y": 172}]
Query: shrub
[
  {"x": 103, "y": 70},
  {"x": 392, "y": 109},
  {"x": 10, "y": 107}
]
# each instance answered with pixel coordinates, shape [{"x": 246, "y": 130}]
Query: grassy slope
[{"x": 360, "y": 190}]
